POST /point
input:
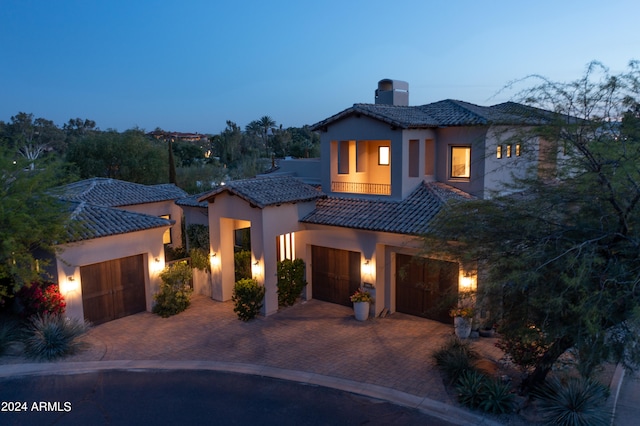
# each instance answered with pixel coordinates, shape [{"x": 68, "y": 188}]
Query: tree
[
  {"x": 32, "y": 223},
  {"x": 129, "y": 156},
  {"x": 32, "y": 138},
  {"x": 559, "y": 258}
]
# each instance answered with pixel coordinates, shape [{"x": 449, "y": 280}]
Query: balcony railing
[{"x": 361, "y": 188}]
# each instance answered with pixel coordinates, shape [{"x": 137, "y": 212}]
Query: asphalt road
[{"x": 189, "y": 398}]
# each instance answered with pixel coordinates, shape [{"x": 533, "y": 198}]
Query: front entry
[
  {"x": 335, "y": 274},
  {"x": 426, "y": 287},
  {"x": 113, "y": 289}
]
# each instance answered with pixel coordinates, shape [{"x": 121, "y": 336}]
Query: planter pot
[
  {"x": 462, "y": 327},
  {"x": 361, "y": 310}
]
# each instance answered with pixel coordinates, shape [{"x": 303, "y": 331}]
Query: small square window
[{"x": 383, "y": 155}]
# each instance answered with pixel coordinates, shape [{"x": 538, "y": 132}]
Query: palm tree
[{"x": 266, "y": 123}]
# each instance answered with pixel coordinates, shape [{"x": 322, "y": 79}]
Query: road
[{"x": 189, "y": 398}]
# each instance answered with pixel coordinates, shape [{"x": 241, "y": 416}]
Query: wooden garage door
[
  {"x": 426, "y": 287},
  {"x": 113, "y": 289},
  {"x": 335, "y": 274}
]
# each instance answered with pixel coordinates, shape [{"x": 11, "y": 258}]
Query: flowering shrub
[
  {"x": 361, "y": 295},
  {"x": 525, "y": 347},
  {"x": 40, "y": 298},
  {"x": 462, "y": 311}
]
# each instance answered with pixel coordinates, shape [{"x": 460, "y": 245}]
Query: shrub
[
  {"x": 290, "y": 281},
  {"x": 525, "y": 346},
  {"x": 40, "y": 298},
  {"x": 577, "y": 401},
  {"x": 242, "y": 263},
  {"x": 200, "y": 259},
  {"x": 470, "y": 387},
  {"x": 175, "y": 290},
  {"x": 9, "y": 332},
  {"x": 53, "y": 336},
  {"x": 247, "y": 298},
  {"x": 198, "y": 236},
  {"x": 454, "y": 358},
  {"x": 496, "y": 397}
]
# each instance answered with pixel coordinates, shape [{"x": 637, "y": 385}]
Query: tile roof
[
  {"x": 117, "y": 193},
  {"x": 90, "y": 221},
  {"x": 409, "y": 216},
  {"x": 442, "y": 114},
  {"x": 192, "y": 200},
  {"x": 268, "y": 191}
]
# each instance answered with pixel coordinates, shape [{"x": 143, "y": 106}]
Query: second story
[{"x": 386, "y": 149}]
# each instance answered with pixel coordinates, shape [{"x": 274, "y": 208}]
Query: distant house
[
  {"x": 386, "y": 169},
  {"x": 109, "y": 267}
]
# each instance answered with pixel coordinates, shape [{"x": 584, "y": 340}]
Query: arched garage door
[
  {"x": 113, "y": 289},
  {"x": 335, "y": 274},
  {"x": 426, "y": 287}
]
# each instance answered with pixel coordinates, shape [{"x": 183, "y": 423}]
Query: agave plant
[
  {"x": 573, "y": 402},
  {"x": 454, "y": 358},
  {"x": 53, "y": 336},
  {"x": 497, "y": 397},
  {"x": 470, "y": 388},
  {"x": 9, "y": 332}
]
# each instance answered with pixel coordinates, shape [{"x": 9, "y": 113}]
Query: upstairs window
[
  {"x": 460, "y": 162},
  {"x": 384, "y": 155},
  {"x": 166, "y": 237}
]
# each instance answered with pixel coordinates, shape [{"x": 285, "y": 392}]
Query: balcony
[{"x": 361, "y": 188}]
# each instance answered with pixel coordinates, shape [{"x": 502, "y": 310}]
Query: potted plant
[
  {"x": 361, "y": 299},
  {"x": 462, "y": 319}
]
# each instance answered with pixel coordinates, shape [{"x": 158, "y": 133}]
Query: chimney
[{"x": 392, "y": 92}]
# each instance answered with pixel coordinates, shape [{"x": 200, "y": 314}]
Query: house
[
  {"x": 386, "y": 170},
  {"x": 117, "y": 233}
]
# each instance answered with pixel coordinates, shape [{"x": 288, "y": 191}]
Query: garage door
[
  {"x": 335, "y": 274},
  {"x": 426, "y": 287},
  {"x": 113, "y": 289}
]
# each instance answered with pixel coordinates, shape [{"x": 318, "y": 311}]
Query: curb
[
  {"x": 616, "y": 384},
  {"x": 424, "y": 405}
]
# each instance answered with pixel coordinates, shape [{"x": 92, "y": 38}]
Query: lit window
[
  {"x": 499, "y": 151},
  {"x": 461, "y": 162},
  {"x": 518, "y": 150},
  {"x": 383, "y": 155},
  {"x": 166, "y": 237},
  {"x": 508, "y": 150}
]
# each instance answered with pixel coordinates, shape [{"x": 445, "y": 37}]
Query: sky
[{"x": 191, "y": 65}]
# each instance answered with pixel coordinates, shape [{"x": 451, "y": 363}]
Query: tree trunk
[{"x": 557, "y": 348}]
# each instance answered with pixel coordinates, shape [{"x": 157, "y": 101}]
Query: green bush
[
  {"x": 242, "y": 261},
  {"x": 496, "y": 397},
  {"x": 470, "y": 386},
  {"x": 247, "y": 298},
  {"x": 290, "y": 281},
  {"x": 53, "y": 336},
  {"x": 9, "y": 332},
  {"x": 175, "y": 290},
  {"x": 198, "y": 236},
  {"x": 200, "y": 259},
  {"x": 575, "y": 401},
  {"x": 454, "y": 358}
]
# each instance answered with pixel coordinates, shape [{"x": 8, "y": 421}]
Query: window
[
  {"x": 429, "y": 157},
  {"x": 343, "y": 157},
  {"x": 414, "y": 158},
  {"x": 499, "y": 151},
  {"x": 509, "y": 151},
  {"x": 166, "y": 237},
  {"x": 518, "y": 150},
  {"x": 383, "y": 155},
  {"x": 460, "y": 162}
]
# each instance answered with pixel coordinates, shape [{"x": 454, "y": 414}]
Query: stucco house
[
  {"x": 386, "y": 170},
  {"x": 109, "y": 267}
]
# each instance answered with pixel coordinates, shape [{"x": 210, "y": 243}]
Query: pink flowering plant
[
  {"x": 361, "y": 295},
  {"x": 40, "y": 298}
]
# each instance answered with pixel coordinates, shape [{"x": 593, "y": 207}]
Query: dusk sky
[{"x": 189, "y": 65}]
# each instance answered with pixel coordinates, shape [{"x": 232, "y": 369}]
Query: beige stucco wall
[
  {"x": 159, "y": 209},
  {"x": 68, "y": 262},
  {"x": 228, "y": 213},
  {"x": 410, "y": 183}
]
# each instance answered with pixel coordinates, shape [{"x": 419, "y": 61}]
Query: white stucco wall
[
  {"x": 148, "y": 243},
  {"x": 162, "y": 208}
]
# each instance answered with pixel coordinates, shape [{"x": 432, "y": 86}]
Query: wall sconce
[
  {"x": 157, "y": 260},
  {"x": 467, "y": 282},
  {"x": 256, "y": 270},
  {"x": 366, "y": 267},
  {"x": 68, "y": 286},
  {"x": 70, "y": 278}
]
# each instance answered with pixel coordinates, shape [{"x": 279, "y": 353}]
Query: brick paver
[{"x": 314, "y": 336}]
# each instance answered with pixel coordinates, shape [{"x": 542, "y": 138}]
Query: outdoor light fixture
[
  {"x": 157, "y": 259},
  {"x": 70, "y": 278}
]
